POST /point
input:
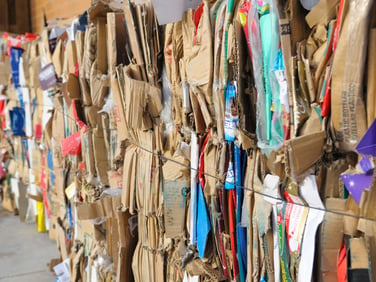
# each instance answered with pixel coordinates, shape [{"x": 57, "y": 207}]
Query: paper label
[
  {"x": 295, "y": 218},
  {"x": 62, "y": 271},
  {"x": 70, "y": 191},
  {"x": 174, "y": 207},
  {"x": 230, "y": 177},
  {"x": 231, "y": 113}
]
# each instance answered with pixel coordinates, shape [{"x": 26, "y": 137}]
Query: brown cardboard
[
  {"x": 173, "y": 53},
  {"x": 98, "y": 85},
  {"x": 18, "y": 154},
  {"x": 62, "y": 242},
  {"x": 371, "y": 247},
  {"x": 116, "y": 41},
  {"x": 115, "y": 178},
  {"x": 358, "y": 253},
  {"x": 119, "y": 110},
  {"x": 127, "y": 244},
  {"x": 347, "y": 107},
  {"x": 52, "y": 232},
  {"x": 299, "y": 28},
  {"x": 138, "y": 96},
  {"x": 73, "y": 87},
  {"x": 83, "y": 55},
  {"x": 133, "y": 39},
  {"x": 7, "y": 197},
  {"x": 44, "y": 47},
  {"x": 4, "y": 70},
  {"x": 57, "y": 58},
  {"x": 302, "y": 152},
  {"x": 114, "y": 231},
  {"x": 6, "y": 146},
  {"x": 71, "y": 55},
  {"x": 101, "y": 44},
  {"x": 210, "y": 167},
  {"x": 331, "y": 185},
  {"x": 38, "y": 197},
  {"x": 371, "y": 77},
  {"x": 111, "y": 41},
  {"x": 174, "y": 205},
  {"x": 36, "y": 164},
  {"x": 23, "y": 201},
  {"x": 129, "y": 174},
  {"x": 34, "y": 65},
  {"x": 322, "y": 13},
  {"x": 88, "y": 154},
  {"x": 88, "y": 233},
  {"x": 313, "y": 123},
  {"x": 350, "y": 223},
  {"x": 79, "y": 39},
  {"x": 12, "y": 167},
  {"x": 100, "y": 156},
  {"x": 331, "y": 240},
  {"x": 48, "y": 132},
  {"x": 90, "y": 211},
  {"x": 75, "y": 257},
  {"x": 60, "y": 188},
  {"x": 26, "y": 175},
  {"x": 58, "y": 120}
]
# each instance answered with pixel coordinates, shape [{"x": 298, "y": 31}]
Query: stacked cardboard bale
[{"x": 209, "y": 145}]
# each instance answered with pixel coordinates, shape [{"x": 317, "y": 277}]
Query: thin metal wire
[
  {"x": 239, "y": 186},
  {"x": 258, "y": 192}
]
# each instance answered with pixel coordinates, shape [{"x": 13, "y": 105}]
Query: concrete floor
[{"x": 24, "y": 253}]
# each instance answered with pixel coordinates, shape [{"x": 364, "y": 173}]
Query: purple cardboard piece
[
  {"x": 367, "y": 145},
  {"x": 356, "y": 184},
  {"x": 366, "y": 164},
  {"x": 47, "y": 77}
]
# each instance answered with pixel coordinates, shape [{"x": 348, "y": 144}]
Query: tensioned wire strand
[{"x": 280, "y": 200}]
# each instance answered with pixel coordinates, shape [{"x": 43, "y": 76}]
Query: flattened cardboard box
[
  {"x": 8, "y": 197},
  {"x": 331, "y": 240},
  {"x": 4, "y": 71}
]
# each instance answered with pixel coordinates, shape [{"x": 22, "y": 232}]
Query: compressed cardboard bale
[
  {"x": 4, "y": 71},
  {"x": 119, "y": 105},
  {"x": 116, "y": 53},
  {"x": 99, "y": 149}
]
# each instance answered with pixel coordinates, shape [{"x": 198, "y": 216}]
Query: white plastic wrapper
[{"x": 166, "y": 114}]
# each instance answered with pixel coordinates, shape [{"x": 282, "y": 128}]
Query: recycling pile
[{"x": 229, "y": 141}]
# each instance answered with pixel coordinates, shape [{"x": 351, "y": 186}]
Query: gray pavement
[{"x": 24, "y": 253}]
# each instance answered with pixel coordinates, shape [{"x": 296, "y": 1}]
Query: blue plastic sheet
[
  {"x": 203, "y": 223},
  {"x": 15, "y": 55},
  {"x": 17, "y": 121}
]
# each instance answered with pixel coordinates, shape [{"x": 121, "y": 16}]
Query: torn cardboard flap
[
  {"x": 174, "y": 171},
  {"x": 302, "y": 153},
  {"x": 90, "y": 211}
]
